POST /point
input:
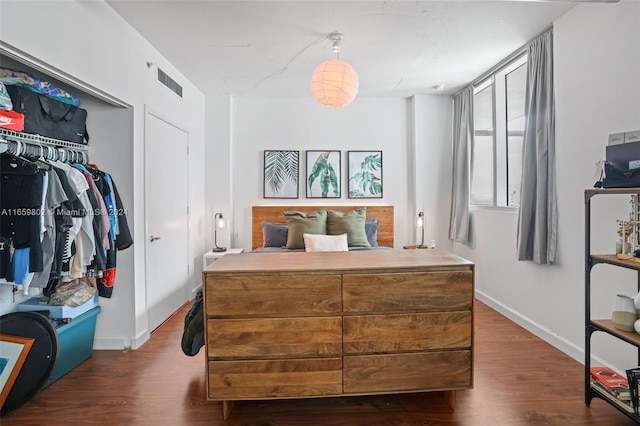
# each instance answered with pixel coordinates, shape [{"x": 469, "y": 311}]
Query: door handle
[{"x": 153, "y": 238}]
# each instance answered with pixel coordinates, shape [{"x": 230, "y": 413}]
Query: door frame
[{"x": 149, "y": 111}]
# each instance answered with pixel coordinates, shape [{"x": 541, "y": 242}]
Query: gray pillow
[
  {"x": 274, "y": 234},
  {"x": 371, "y": 229},
  {"x": 300, "y": 223}
]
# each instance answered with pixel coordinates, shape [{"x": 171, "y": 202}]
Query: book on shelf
[
  {"x": 602, "y": 390},
  {"x": 633, "y": 377},
  {"x": 615, "y": 383}
]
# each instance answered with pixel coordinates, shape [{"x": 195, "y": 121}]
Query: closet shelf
[
  {"x": 40, "y": 140},
  {"x": 35, "y": 144}
]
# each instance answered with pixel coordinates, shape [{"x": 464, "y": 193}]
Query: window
[
  {"x": 498, "y": 119},
  {"x": 483, "y": 143}
]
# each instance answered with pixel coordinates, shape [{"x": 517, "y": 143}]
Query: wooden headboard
[{"x": 274, "y": 214}]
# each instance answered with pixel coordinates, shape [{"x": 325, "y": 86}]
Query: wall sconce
[
  {"x": 421, "y": 224},
  {"x": 334, "y": 83},
  {"x": 218, "y": 223}
]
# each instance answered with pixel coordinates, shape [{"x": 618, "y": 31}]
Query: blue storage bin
[
  {"x": 40, "y": 303},
  {"x": 76, "y": 343}
]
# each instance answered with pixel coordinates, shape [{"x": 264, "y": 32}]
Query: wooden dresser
[{"x": 293, "y": 325}]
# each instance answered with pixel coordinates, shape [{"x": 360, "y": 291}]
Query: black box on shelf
[{"x": 625, "y": 155}]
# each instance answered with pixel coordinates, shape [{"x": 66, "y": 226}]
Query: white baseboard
[
  {"x": 140, "y": 339},
  {"x": 125, "y": 343},
  {"x": 110, "y": 343},
  {"x": 121, "y": 343},
  {"x": 554, "y": 340}
]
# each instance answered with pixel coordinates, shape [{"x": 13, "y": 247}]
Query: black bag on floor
[
  {"x": 49, "y": 117},
  {"x": 193, "y": 332}
]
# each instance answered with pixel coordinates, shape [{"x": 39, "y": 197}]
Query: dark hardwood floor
[{"x": 519, "y": 380}]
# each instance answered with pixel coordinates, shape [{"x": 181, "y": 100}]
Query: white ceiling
[{"x": 398, "y": 48}]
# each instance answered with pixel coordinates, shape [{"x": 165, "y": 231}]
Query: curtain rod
[{"x": 512, "y": 56}]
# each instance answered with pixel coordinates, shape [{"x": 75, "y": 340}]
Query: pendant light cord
[{"x": 285, "y": 68}]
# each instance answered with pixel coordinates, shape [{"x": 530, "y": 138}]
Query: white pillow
[{"x": 321, "y": 242}]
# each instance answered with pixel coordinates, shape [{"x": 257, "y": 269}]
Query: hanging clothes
[
  {"x": 21, "y": 197},
  {"x": 119, "y": 235},
  {"x": 54, "y": 199},
  {"x": 83, "y": 223},
  {"x": 59, "y": 222}
]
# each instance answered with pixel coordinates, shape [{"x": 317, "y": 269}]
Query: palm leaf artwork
[
  {"x": 367, "y": 181},
  {"x": 281, "y": 173},
  {"x": 326, "y": 174}
]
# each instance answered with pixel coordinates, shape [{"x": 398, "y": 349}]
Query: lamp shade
[
  {"x": 219, "y": 220},
  {"x": 334, "y": 83},
  {"x": 218, "y": 223}
]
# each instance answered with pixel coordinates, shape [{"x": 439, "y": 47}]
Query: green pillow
[
  {"x": 351, "y": 223},
  {"x": 304, "y": 223}
]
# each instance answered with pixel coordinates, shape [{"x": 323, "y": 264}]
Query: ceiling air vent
[{"x": 169, "y": 82}]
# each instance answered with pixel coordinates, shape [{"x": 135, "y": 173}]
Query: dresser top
[{"x": 359, "y": 261}]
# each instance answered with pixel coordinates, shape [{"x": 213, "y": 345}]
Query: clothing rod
[
  {"x": 36, "y": 151},
  {"x": 23, "y": 144},
  {"x": 41, "y": 140}
]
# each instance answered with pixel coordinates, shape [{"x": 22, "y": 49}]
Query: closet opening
[{"x": 110, "y": 124}]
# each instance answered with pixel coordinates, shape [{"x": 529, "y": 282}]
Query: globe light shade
[{"x": 334, "y": 83}]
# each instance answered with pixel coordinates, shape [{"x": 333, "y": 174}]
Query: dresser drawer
[
  {"x": 408, "y": 292},
  {"x": 408, "y": 372},
  {"x": 274, "y": 337},
  {"x": 274, "y": 378},
  {"x": 407, "y": 332},
  {"x": 263, "y": 295}
]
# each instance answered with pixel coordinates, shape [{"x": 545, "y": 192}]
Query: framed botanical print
[
  {"x": 365, "y": 174},
  {"x": 281, "y": 174},
  {"x": 323, "y": 174}
]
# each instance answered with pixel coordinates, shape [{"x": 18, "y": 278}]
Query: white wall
[
  {"x": 433, "y": 162},
  {"x": 597, "y": 89},
  {"x": 217, "y": 165},
  {"x": 303, "y": 124},
  {"x": 415, "y": 131},
  {"x": 103, "y": 51}
]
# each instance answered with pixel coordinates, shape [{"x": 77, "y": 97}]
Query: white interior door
[{"x": 167, "y": 242}]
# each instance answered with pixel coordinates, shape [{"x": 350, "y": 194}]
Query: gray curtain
[
  {"x": 462, "y": 137},
  {"x": 538, "y": 216}
]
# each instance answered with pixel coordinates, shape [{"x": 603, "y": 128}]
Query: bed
[
  {"x": 331, "y": 324},
  {"x": 274, "y": 214}
]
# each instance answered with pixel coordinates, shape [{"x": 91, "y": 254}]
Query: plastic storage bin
[
  {"x": 40, "y": 304},
  {"x": 76, "y": 343}
]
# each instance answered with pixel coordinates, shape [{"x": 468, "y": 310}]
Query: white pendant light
[{"x": 334, "y": 83}]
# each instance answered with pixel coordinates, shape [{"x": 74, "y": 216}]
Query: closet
[
  {"x": 110, "y": 123},
  {"x": 114, "y": 72}
]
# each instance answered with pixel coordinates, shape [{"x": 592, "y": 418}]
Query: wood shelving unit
[{"x": 604, "y": 325}]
